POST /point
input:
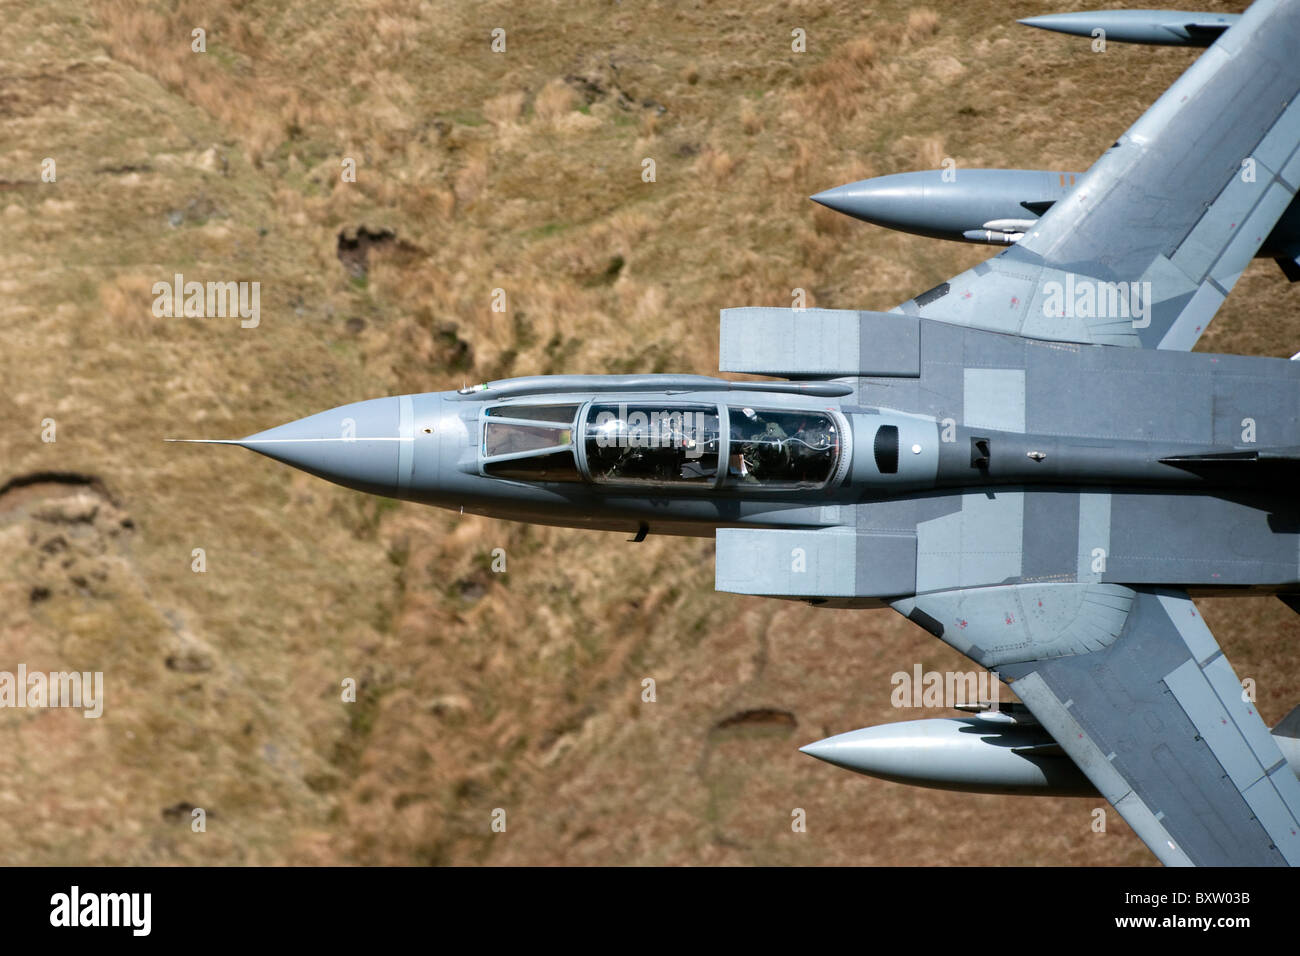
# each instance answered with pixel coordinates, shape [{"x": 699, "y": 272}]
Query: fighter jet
[{"x": 1027, "y": 461}]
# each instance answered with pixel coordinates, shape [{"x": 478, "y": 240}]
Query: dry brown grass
[
  {"x": 649, "y": 125},
  {"x": 471, "y": 179},
  {"x": 917, "y": 152},
  {"x": 554, "y": 100},
  {"x": 121, "y": 298},
  {"x": 506, "y": 108},
  {"x": 716, "y": 166},
  {"x": 857, "y": 56},
  {"x": 921, "y": 24},
  {"x": 839, "y": 87}
]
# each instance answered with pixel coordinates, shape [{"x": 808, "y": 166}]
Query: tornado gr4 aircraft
[{"x": 1027, "y": 461}]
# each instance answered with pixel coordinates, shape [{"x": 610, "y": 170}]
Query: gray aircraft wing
[
  {"x": 1145, "y": 703},
  {"x": 1146, "y": 248}
]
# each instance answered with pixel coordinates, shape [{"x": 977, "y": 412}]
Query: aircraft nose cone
[{"x": 365, "y": 445}]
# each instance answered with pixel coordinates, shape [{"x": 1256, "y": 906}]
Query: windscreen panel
[
  {"x": 558, "y": 466},
  {"x": 507, "y": 438},
  {"x": 535, "y": 413}
]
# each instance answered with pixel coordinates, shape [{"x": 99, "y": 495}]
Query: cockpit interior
[{"x": 661, "y": 445}]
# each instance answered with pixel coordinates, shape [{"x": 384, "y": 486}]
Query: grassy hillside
[{"x": 475, "y": 171}]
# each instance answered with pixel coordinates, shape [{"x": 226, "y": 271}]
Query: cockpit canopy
[
  {"x": 788, "y": 449},
  {"x": 662, "y": 445},
  {"x": 653, "y": 445}
]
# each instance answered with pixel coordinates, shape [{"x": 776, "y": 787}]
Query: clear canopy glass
[
  {"x": 652, "y": 444},
  {"x": 781, "y": 449},
  {"x": 649, "y": 444}
]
